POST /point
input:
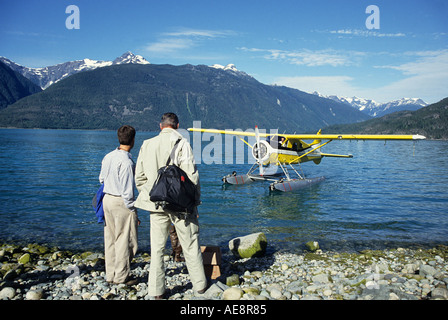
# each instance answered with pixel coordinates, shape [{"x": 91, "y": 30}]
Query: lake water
[{"x": 389, "y": 194}]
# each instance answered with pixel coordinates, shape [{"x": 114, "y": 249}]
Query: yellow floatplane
[{"x": 284, "y": 150}]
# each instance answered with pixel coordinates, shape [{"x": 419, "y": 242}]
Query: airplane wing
[{"x": 318, "y": 136}]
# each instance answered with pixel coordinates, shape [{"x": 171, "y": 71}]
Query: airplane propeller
[{"x": 257, "y": 137}]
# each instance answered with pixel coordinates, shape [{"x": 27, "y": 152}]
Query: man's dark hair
[
  {"x": 126, "y": 135},
  {"x": 169, "y": 119}
]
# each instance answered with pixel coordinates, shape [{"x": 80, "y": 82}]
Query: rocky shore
[{"x": 35, "y": 272}]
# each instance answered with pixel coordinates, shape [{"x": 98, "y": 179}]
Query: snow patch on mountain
[
  {"x": 129, "y": 57},
  {"x": 230, "y": 67}
]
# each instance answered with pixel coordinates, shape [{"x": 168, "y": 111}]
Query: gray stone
[
  {"x": 7, "y": 293},
  {"x": 381, "y": 267},
  {"x": 34, "y": 295},
  {"x": 427, "y": 270},
  {"x": 273, "y": 286},
  {"x": 440, "y": 293},
  {"x": 311, "y": 297},
  {"x": 410, "y": 268},
  {"x": 321, "y": 278},
  {"x": 275, "y": 293},
  {"x": 213, "y": 292},
  {"x": 232, "y": 294},
  {"x": 264, "y": 293},
  {"x": 295, "y": 287}
]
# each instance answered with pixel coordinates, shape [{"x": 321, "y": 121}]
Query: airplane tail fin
[{"x": 317, "y": 141}]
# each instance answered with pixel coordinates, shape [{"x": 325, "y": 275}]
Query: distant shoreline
[{"x": 146, "y": 131}]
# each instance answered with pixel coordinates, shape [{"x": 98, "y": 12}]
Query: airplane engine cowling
[{"x": 261, "y": 152}]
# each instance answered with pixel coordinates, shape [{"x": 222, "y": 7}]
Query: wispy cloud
[
  {"x": 187, "y": 32},
  {"x": 310, "y": 58},
  {"x": 169, "y": 45},
  {"x": 365, "y": 33},
  {"x": 184, "y": 38},
  {"x": 426, "y": 63}
]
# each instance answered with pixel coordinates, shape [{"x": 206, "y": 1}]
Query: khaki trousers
[
  {"x": 188, "y": 233},
  {"x": 120, "y": 238}
]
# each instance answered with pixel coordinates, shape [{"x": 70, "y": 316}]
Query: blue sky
[{"x": 320, "y": 45}]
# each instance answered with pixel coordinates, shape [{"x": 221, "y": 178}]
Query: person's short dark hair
[
  {"x": 126, "y": 135},
  {"x": 169, "y": 119}
]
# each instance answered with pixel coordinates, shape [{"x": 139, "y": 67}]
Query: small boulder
[
  {"x": 440, "y": 293},
  {"x": 312, "y": 246},
  {"x": 253, "y": 245},
  {"x": 25, "y": 258},
  {"x": 232, "y": 280},
  {"x": 34, "y": 295},
  {"x": 7, "y": 293},
  {"x": 427, "y": 270}
]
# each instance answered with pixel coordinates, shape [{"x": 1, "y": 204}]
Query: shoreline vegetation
[{"x": 37, "y": 272}]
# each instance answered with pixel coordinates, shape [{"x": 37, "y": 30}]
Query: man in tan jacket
[{"x": 153, "y": 155}]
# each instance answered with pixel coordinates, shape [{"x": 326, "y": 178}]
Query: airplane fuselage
[{"x": 273, "y": 155}]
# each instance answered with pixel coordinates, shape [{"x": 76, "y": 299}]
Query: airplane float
[{"x": 284, "y": 150}]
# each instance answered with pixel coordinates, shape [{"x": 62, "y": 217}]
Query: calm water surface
[{"x": 389, "y": 194}]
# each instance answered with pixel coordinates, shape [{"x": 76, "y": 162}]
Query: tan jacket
[{"x": 153, "y": 155}]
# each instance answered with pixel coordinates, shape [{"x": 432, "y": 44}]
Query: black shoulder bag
[{"x": 173, "y": 190}]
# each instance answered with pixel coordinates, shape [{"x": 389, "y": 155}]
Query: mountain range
[
  {"x": 45, "y": 77},
  {"x": 375, "y": 109},
  {"x": 138, "y": 94}
]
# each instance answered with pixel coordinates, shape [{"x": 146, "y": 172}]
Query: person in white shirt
[{"x": 120, "y": 215}]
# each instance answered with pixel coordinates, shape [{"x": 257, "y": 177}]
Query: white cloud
[
  {"x": 427, "y": 63},
  {"x": 182, "y": 39},
  {"x": 169, "y": 45},
  {"x": 186, "y": 32},
  {"x": 310, "y": 58},
  {"x": 365, "y": 33}
]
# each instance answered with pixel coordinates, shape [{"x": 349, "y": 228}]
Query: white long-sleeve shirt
[{"x": 117, "y": 174}]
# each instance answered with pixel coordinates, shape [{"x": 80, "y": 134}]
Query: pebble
[{"x": 391, "y": 274}]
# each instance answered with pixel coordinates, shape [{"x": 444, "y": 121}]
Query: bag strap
[{"x": 173, "y": 152}]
